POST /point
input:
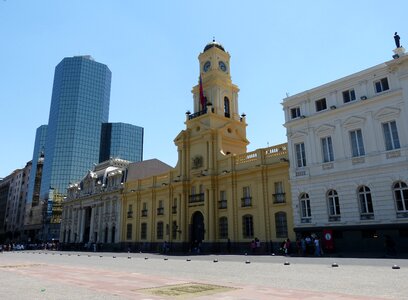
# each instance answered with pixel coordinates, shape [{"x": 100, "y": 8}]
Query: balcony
[
  {"x": 306, "y": 220},
  {"x": 246, "y": 202},
  {"x": 403, "y": 214},
  {"x": 222, "y": 204},
  {"x": 144, "y": 212},
  {"x": 130, "y": 214},
  {"x": 334, "y": 218},
  {"x": 160, "y": 211},
  {"x": 197, "y": 114},
  {"x": 279, "y": 198},
  {"x": 368, "y": 216},
  {"x": 196, "y": 198},
  {"x": 174, "y": 209}
]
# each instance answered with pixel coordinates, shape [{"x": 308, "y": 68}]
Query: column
[{"x": 91, "y": 230}]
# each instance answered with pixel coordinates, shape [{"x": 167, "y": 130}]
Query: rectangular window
[
  {"x": 144, "y": 210},
  {"x": 356, "y": 141},
  {"x": 223, "y": 199},
  {"x": 246, "y": 197},
  {"x": 174, "y": 229},
  {"x": 381, "y": 85},
  {"x": 391, "y": 136},
  {"x": 129, "y": 231},
  {"x": 300, "y": 155},
  {"x": 279, "y": 196},
  {"x": 143, "y": 231},
  {"x": 321, "y": 104},
  {"x": 247, "y": 226},
  {"x": 281, "y": 225},
  {"x": 327, "y": 149},
  {"x": 223, "y": 227},
  {"x": 159, "y": 230},
  {"x": 295, "y": 112},
  {"x": 349, "y": 96}
]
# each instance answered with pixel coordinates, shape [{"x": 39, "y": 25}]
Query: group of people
[
  {"x": 309, "y": 245},
  {"x": 255, "y": 245}
]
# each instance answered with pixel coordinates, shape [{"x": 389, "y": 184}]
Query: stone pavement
[{"x": 76, "y": 275}]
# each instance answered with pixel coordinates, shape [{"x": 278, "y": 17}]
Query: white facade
[
  {"x": 348, "y": 148},
  {"x": 91, "y": 211}
]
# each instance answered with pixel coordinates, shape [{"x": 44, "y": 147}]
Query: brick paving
[{"x": 37, "y": 275}]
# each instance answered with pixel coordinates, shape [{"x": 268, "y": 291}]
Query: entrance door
[{"x": 197, "y": 227}]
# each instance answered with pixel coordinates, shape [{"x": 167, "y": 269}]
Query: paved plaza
[{"x": 83, "y": 275}]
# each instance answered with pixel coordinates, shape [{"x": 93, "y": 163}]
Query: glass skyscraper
[
  {"x": 120, "y": 140},
  {"x": 79, "y": 106},
  {"x": 39, "y": 146}
]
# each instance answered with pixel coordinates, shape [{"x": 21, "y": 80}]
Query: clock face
[
  {"x": 223, "y": 66},
  {"x": 207, "y": 66}
]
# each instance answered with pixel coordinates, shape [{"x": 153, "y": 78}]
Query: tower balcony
[{"x": 191, "y": 116}]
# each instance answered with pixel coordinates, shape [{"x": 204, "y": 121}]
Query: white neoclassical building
[
  {"x": 348, "y": 150},
  {"x": 91, "y": 211}
]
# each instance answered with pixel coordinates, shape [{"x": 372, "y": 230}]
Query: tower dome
[{"x": 213, "y": 44}]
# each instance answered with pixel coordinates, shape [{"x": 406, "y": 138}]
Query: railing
[
  {"x": 222, "y": 204},
  {"x": 197, "y": 114},
  {"x": 174, "y": 209},
  {"x": 130, "y": 214},
  {"x": 246, "y": 201},
  {"x": 366, "y": 216},
  {"x": 160, "y": 211},
  {"x": 334, "y": 218},
  {"x": 144, "y": 212},
  {"x": 196, "y": 198},
  {"x": 402, "y": 214},
  {"x": 306, "y": 220},
  {"x": 279, "y": 198}
]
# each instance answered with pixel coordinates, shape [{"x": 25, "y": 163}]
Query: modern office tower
[
  {"x": 38, "y": 156},
  {"x": 120, "y": 140},
  {"x": 79, "y": 106}
]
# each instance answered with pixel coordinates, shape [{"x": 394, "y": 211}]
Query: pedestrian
[
  {"x": 317, "y": 246},
  {"x": 252, "y": 245},
  {"x": 303, "y": 246}
]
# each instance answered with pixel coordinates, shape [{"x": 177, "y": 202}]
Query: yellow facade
[{"x": 218, "y": 190}]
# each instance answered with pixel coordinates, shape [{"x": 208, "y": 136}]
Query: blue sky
[{"x": 151, "y": 47}]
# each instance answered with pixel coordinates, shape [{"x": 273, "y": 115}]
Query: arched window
[
  {"x": 366, "y": 203},
  {"x": 333, "y": 205},
  {"x": 226, "y": 107},
  {"x": 247, "y": 226},
  {"x": 401, "y": 196},
  {"x": 159, "y": 230},
  {"x": 281, "y": 225},
  {"x": 305, "y": 210},
  {"x": 129, "y": 231},
  {"x": 223, "y": 227}
]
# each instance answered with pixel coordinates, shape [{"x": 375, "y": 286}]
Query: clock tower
[{"x": 214, "y": 129}]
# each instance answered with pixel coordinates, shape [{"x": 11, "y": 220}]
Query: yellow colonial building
[{"x": 219, "y": 197}]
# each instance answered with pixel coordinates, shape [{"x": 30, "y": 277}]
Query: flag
[{"x": 202, "y": 99}]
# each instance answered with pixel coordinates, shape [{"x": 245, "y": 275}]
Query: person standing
[
  {"x": 397, "y": 40},
  {"x": 317, "y": 246}
]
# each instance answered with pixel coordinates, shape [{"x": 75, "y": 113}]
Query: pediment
[
  {"x": 353, "y": 121},
  {"x": 325, "y": 129},
  {"x": 298, "y": 135},
  {"x": 387, "y": 112}
]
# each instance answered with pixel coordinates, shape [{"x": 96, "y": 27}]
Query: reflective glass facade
[
  {"x": 39, "y": 146},
  {"x": 79, "y": 106},
  {"x": 120, "y": 140}
]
